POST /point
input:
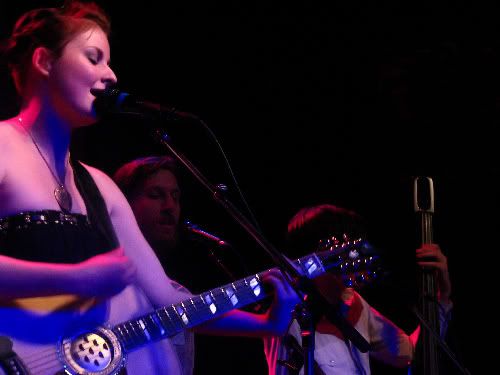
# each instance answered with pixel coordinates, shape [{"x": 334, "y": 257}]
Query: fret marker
[
  {"x": 143, "y": 326},
  {"x": 254, "y": 284},
  {"x": 231, "y": 295},
  {"x": 311, "y": 266},
  {"x": 210, "y": 304},
  {"x": 157, "y": 321},
  {"x": 182, "y": 313}
]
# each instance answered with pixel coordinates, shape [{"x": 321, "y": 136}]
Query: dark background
[{"x": 341, "y": 103}]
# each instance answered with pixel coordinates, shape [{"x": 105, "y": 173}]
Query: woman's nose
[{"x": 110, "y": 77}]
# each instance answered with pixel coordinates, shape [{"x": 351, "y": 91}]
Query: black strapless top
[{"x": 50, "y": 236}]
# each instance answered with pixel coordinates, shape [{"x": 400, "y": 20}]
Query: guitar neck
[{"x": 169, "y": 320}]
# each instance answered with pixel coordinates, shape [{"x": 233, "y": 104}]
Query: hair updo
[{"x": 51, "y": 28}]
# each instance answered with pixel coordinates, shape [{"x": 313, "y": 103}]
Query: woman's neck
[{"x": 50, "y": 132}]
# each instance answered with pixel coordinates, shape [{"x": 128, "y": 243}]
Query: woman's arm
[
  {"x": 101, "y": 275},
  {"x": 150, "y": 275},
  {"x": 158, "y": 287}
]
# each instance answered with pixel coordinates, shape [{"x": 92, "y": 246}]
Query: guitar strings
[
  {"x": 49, "y": 361},
  {"x": 53, "y": 367},
  {"x": 38, "y": 353},
  {"x": 36, "y": 362}
]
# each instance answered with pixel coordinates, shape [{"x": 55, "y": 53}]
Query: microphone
[
  {"x": 195, "y": 229},
  {"x": 114, "y": 101}
]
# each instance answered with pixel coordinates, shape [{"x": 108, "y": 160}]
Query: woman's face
[{"x": 83, "y": 65}]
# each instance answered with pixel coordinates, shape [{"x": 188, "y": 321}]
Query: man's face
[{"x": 157, "y": 209}]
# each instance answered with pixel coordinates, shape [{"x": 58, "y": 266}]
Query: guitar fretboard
[{"x": 169, "y": 320}]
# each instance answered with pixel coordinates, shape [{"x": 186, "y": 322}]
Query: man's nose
[{"x": 169, "y": 203}]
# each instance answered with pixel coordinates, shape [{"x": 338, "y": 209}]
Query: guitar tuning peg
[{"x": 353, "y": 253}]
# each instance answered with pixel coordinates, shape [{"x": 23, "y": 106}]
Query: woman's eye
[{"x": 93, "y": 61}]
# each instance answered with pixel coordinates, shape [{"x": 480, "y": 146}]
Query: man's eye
[
  {"x": 93, "y": 61},
  {"x": 153, "y": 195}
]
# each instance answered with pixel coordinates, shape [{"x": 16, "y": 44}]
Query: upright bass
[{"x": 426, "y": 360}]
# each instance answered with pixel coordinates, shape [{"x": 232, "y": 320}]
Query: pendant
[{"x": 63, "y": 199}]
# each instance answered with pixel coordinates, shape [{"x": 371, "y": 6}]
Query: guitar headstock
[{"x": 355, "y": 261}]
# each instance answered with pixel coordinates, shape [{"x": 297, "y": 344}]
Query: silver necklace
[{"x": 62, "y": 195}]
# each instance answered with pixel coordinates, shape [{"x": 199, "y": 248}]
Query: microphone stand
[{"x": 313, "y": 304}]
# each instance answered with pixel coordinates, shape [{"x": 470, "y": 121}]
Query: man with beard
[{"x": 188, "y": 254}]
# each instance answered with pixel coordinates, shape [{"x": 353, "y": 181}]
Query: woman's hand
[
  {"x": 284, "y": 302},
  {"x": 104, "y": 275}
]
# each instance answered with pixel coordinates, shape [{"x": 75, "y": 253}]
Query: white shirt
[{"x": 389, "y": 344}]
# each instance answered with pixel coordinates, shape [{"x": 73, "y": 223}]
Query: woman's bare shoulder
[
  {"x": 7, "y": 125},
  {"x": 8, "y": 136},
  {"x": 9, "y": 131}
]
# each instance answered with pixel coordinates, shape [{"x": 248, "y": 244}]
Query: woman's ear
[{"x": 42, "y": 60}]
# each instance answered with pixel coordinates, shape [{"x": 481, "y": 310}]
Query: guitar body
[{"x": 41, "y": 327}]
